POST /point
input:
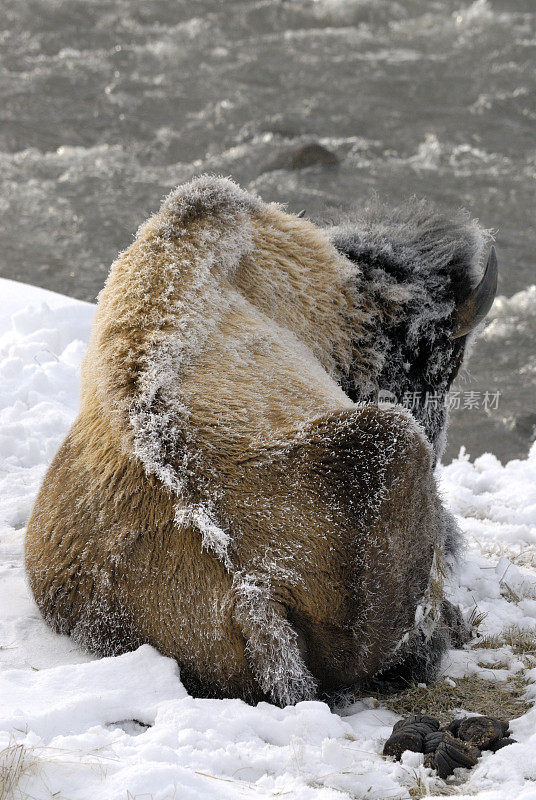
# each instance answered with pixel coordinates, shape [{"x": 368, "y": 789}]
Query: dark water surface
[{"x": 107, "y": 104}]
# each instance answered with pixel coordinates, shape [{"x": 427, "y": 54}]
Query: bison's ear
[
  {"x": 475, "y": 307},
  {"x": 273, "y": 647}
]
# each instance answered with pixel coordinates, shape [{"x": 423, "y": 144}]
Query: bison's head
[{"x": 424, "y": 292}]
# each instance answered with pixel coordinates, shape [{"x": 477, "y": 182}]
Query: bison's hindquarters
[{"x": 339, "y": 526}]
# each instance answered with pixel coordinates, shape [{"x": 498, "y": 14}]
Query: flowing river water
[{"x": 107, "y": 104}]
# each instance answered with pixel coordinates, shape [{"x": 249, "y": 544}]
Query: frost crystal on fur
[
  {"x": 212, "y": 536},
  {"x": 208, "y": 195},
  {"x": 180, "y": 328},
  {"x": 272, "y": 643}
]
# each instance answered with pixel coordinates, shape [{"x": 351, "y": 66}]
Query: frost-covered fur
[
  {"x": 219, "y": 495},
  {"x": 415, "y": 265}
]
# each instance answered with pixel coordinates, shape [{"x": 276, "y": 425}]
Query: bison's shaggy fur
[
  {"x": 415, "y": 267},
  {"x": 219, "y": 495}
]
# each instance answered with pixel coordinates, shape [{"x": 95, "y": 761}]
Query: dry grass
[
  {"x": 494, "y": 665},
  {"x": 520, "y": 556},
  {"x": 508, "y": 593},
  {"x": 479, "y": 696},
  {"x": 19, "y": 763},
  {"x": 522, "y": 642},
  {"x": 423, "y": 786},
  {"x": 476, "y": 618},
  {"x": 15, "y": 762}
]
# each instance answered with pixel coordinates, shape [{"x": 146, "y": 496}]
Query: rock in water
[{"x": 306, "y": 155}]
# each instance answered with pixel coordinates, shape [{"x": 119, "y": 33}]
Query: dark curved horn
[
  {"x": 301, "y": 213},
  {"x": 474, "y": 309}
]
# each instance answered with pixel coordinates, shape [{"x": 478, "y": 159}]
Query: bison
[{"x": 231, "y": 491}]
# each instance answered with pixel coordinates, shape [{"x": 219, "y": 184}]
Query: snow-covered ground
[{"x": 126, "y": 728}]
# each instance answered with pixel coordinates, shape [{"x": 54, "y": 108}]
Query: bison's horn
[{"x": 476, "y": 306}]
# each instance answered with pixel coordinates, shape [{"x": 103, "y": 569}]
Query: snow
[{"x": 124, "y": 727}]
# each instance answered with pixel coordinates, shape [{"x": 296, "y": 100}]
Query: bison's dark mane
[{"x": 416, "y": 265}]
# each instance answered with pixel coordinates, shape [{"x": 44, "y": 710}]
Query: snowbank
[{"x": 125, "y": 727}]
